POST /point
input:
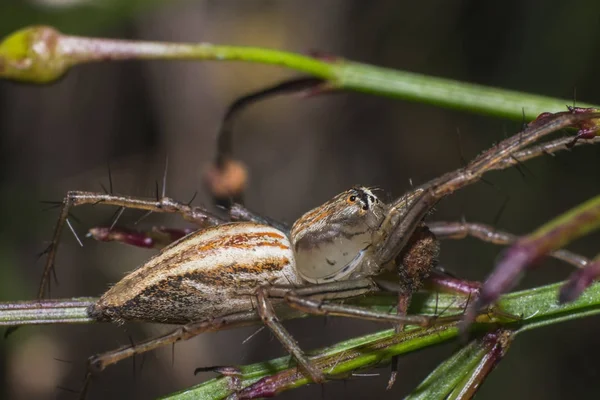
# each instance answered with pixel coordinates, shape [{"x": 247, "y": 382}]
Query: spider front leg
[
  {"x": 304, "y": 299},
  {"x": 414, "y": 265},
  {"x": 269, "y": 318},
  {"x": 408, "y": 211},
  {"x": 316, "y": 300},
  {"x": 459, "y": 230},
  {"x": 162, "y": 205},
  {"x": 441, "y": 281},
  {"x": 310, "y": 300}
]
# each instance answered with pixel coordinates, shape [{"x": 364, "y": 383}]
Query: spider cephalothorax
[
  {"x": 329, "y": 240},
  {"x": 333, "y": 242}
]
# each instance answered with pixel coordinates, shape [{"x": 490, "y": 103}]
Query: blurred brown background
[{"x": 300, "y": 153}]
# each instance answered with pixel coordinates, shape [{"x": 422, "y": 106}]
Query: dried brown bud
[{"x": 227, "y": 181}]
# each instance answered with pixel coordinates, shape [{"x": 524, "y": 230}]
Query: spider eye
[
  {"x": 352, "y": 198},
  {"x": 372, "y": 198}
]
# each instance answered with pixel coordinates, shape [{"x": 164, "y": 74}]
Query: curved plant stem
[
  {"x": 528, "y": 249},
  {"x": 41, "y": 54}
]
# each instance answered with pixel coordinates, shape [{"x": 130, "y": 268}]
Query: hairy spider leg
[{"x": 197, "y": 215}]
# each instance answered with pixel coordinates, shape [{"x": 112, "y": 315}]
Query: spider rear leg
[
  {"x": 162, "y": 205},
  {"x": 156, "y": 238},
  {"x": 99, "y": 362},
  {"x": 238, "y": 212},
  {"x": 309, "y": 299},
  {"x": 159, "y": 237}
]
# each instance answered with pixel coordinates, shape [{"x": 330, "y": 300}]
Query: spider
[{"x": 235, "y": 268}]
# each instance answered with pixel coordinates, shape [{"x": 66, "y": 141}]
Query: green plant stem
[
  {"x": 537, "y": 306},
  {"x": 66, "y": 311},
  {"x": 41, "y": 54},
  {"x": 448, "y": 374},
  {"x": 461, "y": 375}
]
